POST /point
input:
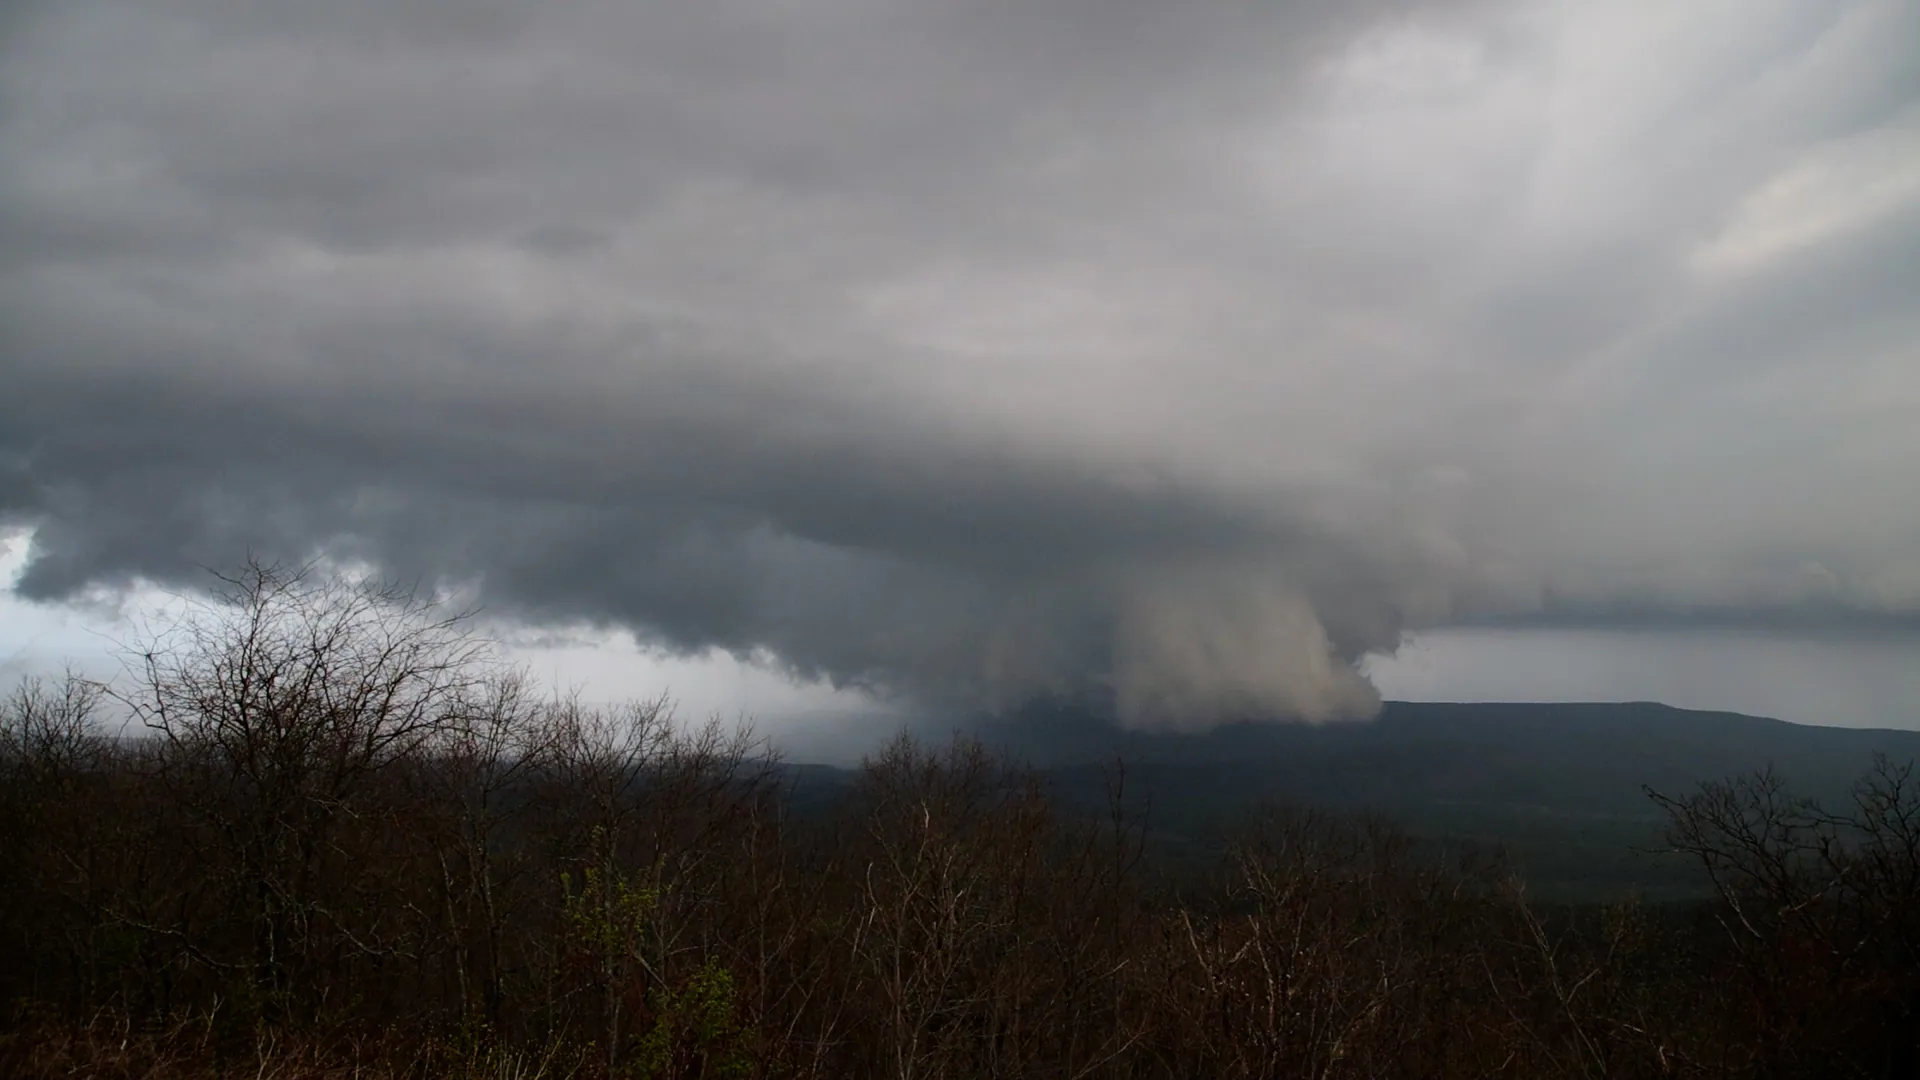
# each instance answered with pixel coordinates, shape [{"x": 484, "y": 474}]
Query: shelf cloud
[{"x": 1175, "y": 356}]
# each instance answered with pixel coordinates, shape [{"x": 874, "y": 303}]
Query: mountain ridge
[{"x": 1561, "y": 786}]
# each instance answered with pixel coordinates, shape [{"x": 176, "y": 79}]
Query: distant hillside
[
  {"x": 1582, "y": 759},
  {"x": 1558, "y": 785}
]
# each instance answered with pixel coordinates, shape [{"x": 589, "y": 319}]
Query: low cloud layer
[{"x": 1175, "y": 355}]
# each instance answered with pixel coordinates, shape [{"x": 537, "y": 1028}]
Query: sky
[{"x": 1206, "y": 361}]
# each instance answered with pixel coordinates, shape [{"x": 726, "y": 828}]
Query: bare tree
[
  {"x": 275, "y": 706},
  {"x": 54, "y": 853},
  {"x": 49, "y": 733},
  {"x": 950, "y": 860},
  {"x": 475, "y": 779},
  {"x": 1821, "y": 913},
  {"x": 644, "y": 811}
]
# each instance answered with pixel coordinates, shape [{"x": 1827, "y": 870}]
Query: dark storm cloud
[{"x": 1183, "y": 354}]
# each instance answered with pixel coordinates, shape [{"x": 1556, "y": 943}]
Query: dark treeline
[{"x": 344, "y": 843}]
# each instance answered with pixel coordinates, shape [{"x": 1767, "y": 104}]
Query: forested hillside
[
  {"x": 346, "y": 843},
  {"x": 1560, "y": 788}
]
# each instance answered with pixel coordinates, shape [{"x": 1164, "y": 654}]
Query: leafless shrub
[{"x": 275, "y": 709}]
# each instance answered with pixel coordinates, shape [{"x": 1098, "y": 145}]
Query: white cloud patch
[{"x": 1867, "y": 181}]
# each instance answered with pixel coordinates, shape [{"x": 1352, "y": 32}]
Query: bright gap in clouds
[
  {"x": 44, "y": 639},
  {"x": 1861, "y": 683}
]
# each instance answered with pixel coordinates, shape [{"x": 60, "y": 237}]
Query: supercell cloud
[{"x": 1175, "y": 355}]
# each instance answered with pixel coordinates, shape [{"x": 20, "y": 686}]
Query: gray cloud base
[{"x": 1176, "y": 355}]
